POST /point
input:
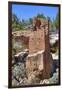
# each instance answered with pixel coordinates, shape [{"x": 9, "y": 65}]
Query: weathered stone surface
[
  {"x": 36, "y": 41},
  {"x": 34, "y": 63},
  {"x": 45, "y": 81}
]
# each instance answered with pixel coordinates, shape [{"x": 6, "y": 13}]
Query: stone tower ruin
[{"x": 39, "y": 59}]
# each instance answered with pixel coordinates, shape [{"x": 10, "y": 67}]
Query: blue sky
[{"x": 27, "y": 11}]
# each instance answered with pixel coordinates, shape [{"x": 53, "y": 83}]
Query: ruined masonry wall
[{"x": 37, "y": 41}]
